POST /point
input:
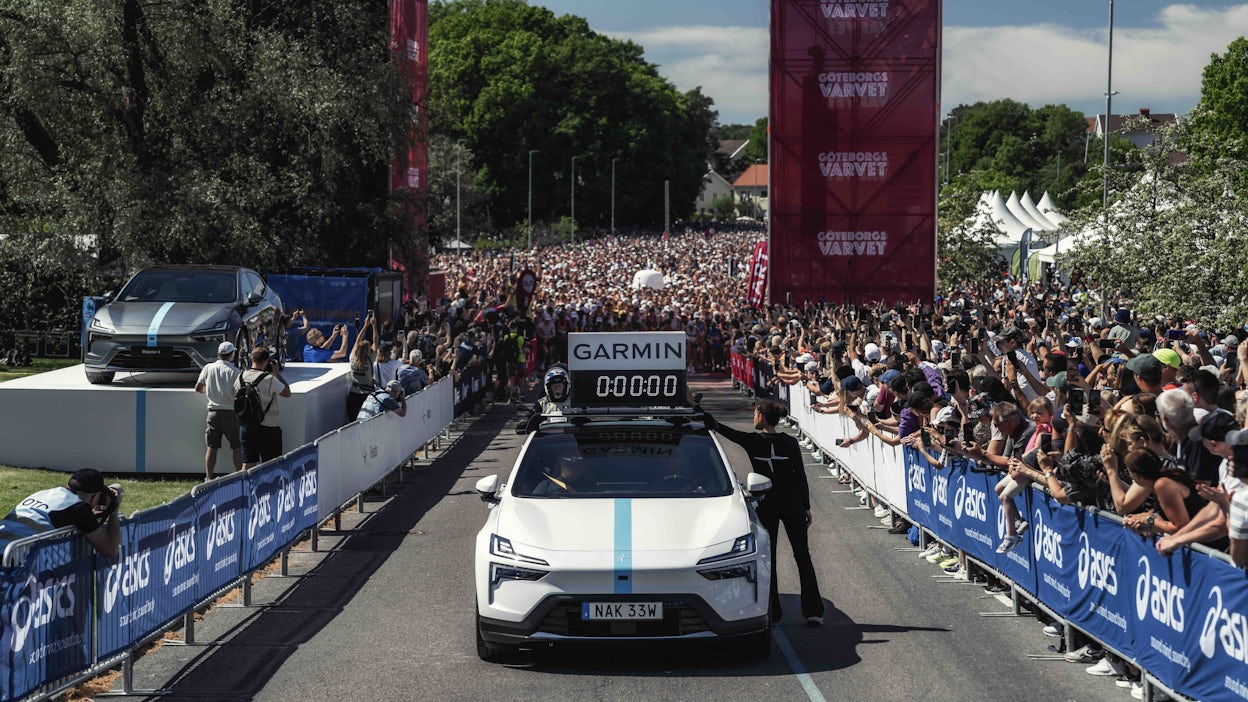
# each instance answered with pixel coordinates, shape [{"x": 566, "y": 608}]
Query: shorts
[
  {"x": 221, "y": 423},
  {"x": 260, "y": 443}
]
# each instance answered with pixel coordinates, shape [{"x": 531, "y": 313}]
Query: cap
[
  {"x": 1096, "y": 323},
  {"x": 887, "y": 376},
  {"x": 1231, "y": 341},
  {"x": 1145, "y": 366},
  {"x": 1168, "y": 357},
  {"x": 948, "y": 414},
  {"x": 1013, "y": 333},
  {"x": 1057, "y": 380},
  {"x": 871, "y": 352},
  {"x": 1123, "y": 316},
  {"x": 1217, "y": 425},
  {"x": 1074, "y": 343},
  {"x": 226, "y": 348},
  {"x": 393, "y": 385},
  {"x": 811, "y": 366},
  {"x": 87, "y": 480},
  {"x": 852, "y": 384},
  {"x": 414, "y": 356},
  {"x": 804, "y": 359}
]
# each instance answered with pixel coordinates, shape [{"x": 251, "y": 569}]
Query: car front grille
[
  {"x": 679, "y": 619},
  {"x": 176, "y": 360}
]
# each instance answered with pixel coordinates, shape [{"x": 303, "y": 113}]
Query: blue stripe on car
[
  {"x": 623, "y": 547},
  {"x": 155, "y": 325}
]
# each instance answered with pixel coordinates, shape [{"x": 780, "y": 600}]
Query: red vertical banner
[
  {"x": 757, "y": 293},
  {"x": 854, "y": 127},
  {"x": 409, "y": 41}
]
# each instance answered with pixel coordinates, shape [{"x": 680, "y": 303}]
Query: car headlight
[
  {"x": 205, "y": 338},
  {"x": 98, "y": 324},
  {"x": 219, "y": 326},
  {"x": 743, "y": 546},
  {"x": 502, "y": 547},
  {"x": 741, "y": 570},
  {"x": 500, "y": 572}
]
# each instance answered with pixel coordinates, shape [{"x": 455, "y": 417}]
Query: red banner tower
[{"x": 409, "y": 41}]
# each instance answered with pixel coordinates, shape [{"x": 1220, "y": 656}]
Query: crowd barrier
[
  {"x": 470, "y": 389},
  {"x": 1183, "y": 619},
  {"x": 67, "y": 613}
]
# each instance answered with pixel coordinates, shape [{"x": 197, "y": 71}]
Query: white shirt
[
  {"x": 218, "y": 380},
  {"x": 1237, "y": 526},
  {"x": 386, "y": 371}
]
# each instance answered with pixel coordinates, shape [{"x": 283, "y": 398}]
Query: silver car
[{"x": 171, "y": 319}]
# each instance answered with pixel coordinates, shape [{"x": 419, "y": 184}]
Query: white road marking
[{"x": 795, "y": 663}]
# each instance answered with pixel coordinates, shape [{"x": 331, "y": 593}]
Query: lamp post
[
  {"x": 1109, "y": 104},
  {"x": 458, "y": 170},
  {"x": 531, "y": 152},
  {"x": 613, "y": 195},
  {"x": 574, "y": 198},
  {"x": 948, "y": 146}
]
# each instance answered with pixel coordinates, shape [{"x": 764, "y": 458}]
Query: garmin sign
[{"x": 626, "y": 351}]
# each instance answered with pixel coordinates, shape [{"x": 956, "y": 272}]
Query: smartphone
[
  {"x": 1046, "y": 443},
  {"x": 1176, "y": 335},
  {"x": 974, "y": 345},
  {"x": 1074, "y": 398},
  {"x": 357, "y": 322},
  {"x": 1107, "y": 344}
]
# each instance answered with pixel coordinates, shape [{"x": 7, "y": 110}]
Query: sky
[{"x": 1037, "y": 52}]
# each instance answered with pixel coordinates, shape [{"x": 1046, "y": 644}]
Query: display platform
[{"x": 146, "y": 422}]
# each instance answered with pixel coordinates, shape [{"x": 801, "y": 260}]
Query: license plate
[
  {"x": 149, "y": 352},
  {"x": 591, "y": 611}
]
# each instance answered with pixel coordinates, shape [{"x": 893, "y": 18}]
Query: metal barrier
[
  {"x": 178, "y": 558},
  {"x": 1177, "y": 618}
]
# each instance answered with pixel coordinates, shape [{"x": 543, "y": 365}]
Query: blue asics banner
[
  {"x": 1220, "y": 617},
  {"x": 302, "y": 474},
  {"x": 1164, "y": 624},
  {"x": 268, "y": 500},
  {"x": 127, "y": 593},
  {"x": 45, "y": 622},
  {"x": 220, "y": 514},
  {"x": 974, "y": 507},
  {"x": 1053, "y": 531},
  {"x": 1100, "y": 604},
  {"x": 1017, "y": 563}
]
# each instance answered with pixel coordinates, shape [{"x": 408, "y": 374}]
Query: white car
[{"x": 618, "y": 529}]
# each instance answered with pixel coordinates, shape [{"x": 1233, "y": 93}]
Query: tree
[
  {"x": 966, "y": 238},
  {"x": 1224, "y": 97},
  {"x": 251, "y": 133},
  {"x": 756, "y": 151},
  {"x": 723, "y": 207},
  {"x": 510, "y": 77},
  {"x": 1174, "y": 227}
]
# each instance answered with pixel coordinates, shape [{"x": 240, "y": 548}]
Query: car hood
[
  {"x": 179, "y": 318},
  {"x": 657, "y": 524}
]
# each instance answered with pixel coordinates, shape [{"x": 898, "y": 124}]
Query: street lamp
[
  {"x": 531, "y": 152},
  {"x": 1109, "y": 104},
  {"x": 574, "y": 198},
  {"x": 613, "y": 195},
  {"x": 459, "y": 152},
  {"x": 948, "y": 146}
]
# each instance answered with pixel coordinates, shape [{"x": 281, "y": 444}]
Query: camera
[
  {"x": 1107, "y": 344},
  {"x": 1176, "y": 335}
]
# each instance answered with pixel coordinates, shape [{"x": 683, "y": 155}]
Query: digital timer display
[{"x": 629, "y": 388}]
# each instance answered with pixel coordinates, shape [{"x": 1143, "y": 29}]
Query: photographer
[
  {"x": 262, "y": 441},
  {"x": 320, "y": 349},
  {"x": 86, "y": 503}
]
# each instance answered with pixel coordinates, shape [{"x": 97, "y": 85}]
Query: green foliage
[
  {"x": 218, "y": 132},
  {"x": 1224, "y": 97},
  {"x": 723, "y": 207},
  {"x": 756, "y": 151},
  {"x": 507, "y": 77},
  {"x": 966, "y": 248},
  {"x": 43, "y": 278},
  {"x": 447, "y": 163},
  {"x": 1175, "y": 236},
  {"x": 1016, "y": 148},
  {"x": 724, "y": 132}
]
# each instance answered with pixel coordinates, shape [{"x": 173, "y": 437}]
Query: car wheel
[
  {"x": 755, "y": 647},
  {"x": 242, "y": 341},
  {"x": 100, "y": 377},
  {"x": 492, "y": 652}
]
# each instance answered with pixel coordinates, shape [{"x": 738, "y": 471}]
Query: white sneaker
[
  {"x": 881, "y": 511},
  {"x": 1107, "y": 667},
  {"x": 1137, "y": 690},
  {"x": 939, "y": 556},
  {"x": 887, "y": 520},
  {"x": 862, "y": 499},
  {"x": 931, "y": 550},
  {"x": 963, "y": 574},
  {"x": 1052, "y": 630},
  {"x": 818, "y": 456}
]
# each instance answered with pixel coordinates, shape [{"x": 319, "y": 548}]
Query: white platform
[{"x": 145, "y": 422}]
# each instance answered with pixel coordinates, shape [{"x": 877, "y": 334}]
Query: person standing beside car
[
  {"x": 217, "y": 381},
  {"x": 779, "y": 457},
  {"x": 263, "y": 441}
]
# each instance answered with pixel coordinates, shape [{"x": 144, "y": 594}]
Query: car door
[{"x": 259, "y": 317}]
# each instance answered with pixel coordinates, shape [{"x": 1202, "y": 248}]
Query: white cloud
[{"x": 1157, "y": 66}]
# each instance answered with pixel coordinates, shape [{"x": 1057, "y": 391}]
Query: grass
[
  {"x": 38, "y": 365},
  {"x": 142, "y": 492}
]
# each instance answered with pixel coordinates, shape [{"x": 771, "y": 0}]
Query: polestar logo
[{"x": 771, "y": 460}]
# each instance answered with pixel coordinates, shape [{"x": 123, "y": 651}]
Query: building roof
[
  {"x": 1120, "y": 124},
  {"x": 754, "y": 177},
  {"x": 733, "y": 148}
]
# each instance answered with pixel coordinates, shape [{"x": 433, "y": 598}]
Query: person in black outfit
[{"x": 778, "y": 457}]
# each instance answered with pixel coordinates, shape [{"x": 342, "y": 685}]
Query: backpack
[{"x": 247, "y": 406}]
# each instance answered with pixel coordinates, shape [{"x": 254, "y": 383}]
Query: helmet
[{"x": 557, "y": 374}]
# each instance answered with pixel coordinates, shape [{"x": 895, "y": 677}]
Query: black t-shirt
[
  {"x": 1201, "y": 465},
  {"x": 779, "y": 457}
]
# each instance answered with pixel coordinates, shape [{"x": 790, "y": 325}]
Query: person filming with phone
[{"x": 259, "y": 429}]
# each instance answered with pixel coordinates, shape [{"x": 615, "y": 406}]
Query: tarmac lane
[{"x": 389, "y": 614}]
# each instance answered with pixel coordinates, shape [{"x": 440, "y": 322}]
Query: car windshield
[
  {"x": 181, "y": 286},
  {"x": 622, "y": 462}
]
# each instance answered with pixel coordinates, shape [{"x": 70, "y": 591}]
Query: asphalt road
[{"x": 388, "y": 615}]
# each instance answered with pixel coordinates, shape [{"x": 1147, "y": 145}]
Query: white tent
[
  {"x": 1016, "y": 208},
  {"x": 1029, "y": 206},
  {"x": 456, "y": 245},
  {"x": 1049, "y": 210},
  {"x": 648, "y": 279},
  {"x": 1010, "y": 229}
]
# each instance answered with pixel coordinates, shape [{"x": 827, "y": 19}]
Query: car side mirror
[
  {"x": 487, "y": 487},
  {"x": 108, "y": 296},
  {"x": 254, "y": 298},
  {"x": 757, "y": 484}
]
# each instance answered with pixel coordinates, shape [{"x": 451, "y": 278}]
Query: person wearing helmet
[{"x": 557, "y": 399}]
